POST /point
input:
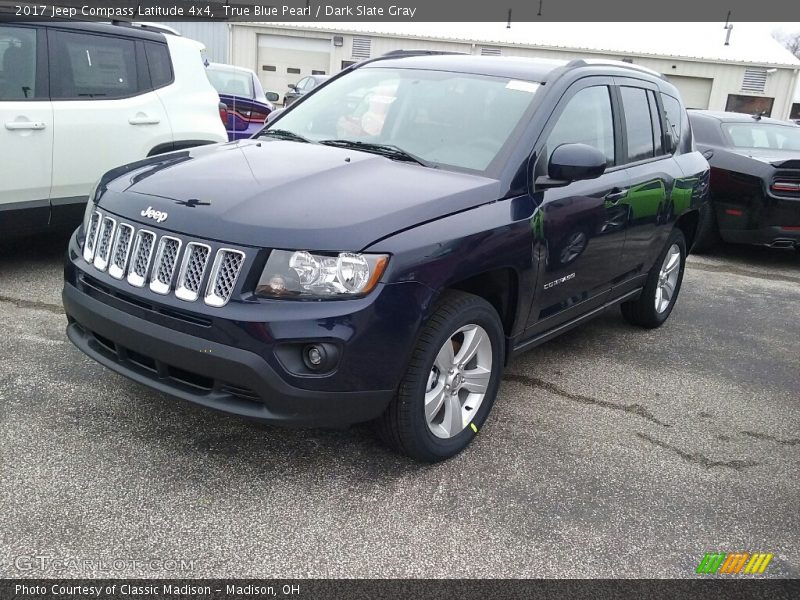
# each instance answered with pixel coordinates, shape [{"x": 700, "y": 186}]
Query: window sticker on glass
[{"x": 522, "y": 86}]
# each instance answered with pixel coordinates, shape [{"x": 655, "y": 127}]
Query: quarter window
[
  {"x": 638, "y": 124},
  {"x": 586, "y": 119},
  {"x": 93, "y": 66},
  {"x": 672, "y": 112},
  {"x": 159, "y": 63},
  {"x": 17, "y": 63}
]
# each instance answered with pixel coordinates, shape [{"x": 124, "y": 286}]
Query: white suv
[{"x": 78, "y": 99}]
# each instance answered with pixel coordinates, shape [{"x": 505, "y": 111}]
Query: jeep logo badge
[{"x": 157, "y": 215}]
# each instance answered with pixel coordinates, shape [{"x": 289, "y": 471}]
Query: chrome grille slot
[
  {"x": 121, "y": 251},
  {"x": 193, "y": 267},
  {"x": 142, "y": 257},
  {"x": 224, "y": 273},
  {"x": 104, "y": 238},
  {"x": 143, "y": 246},
  {"x": 90, "y": 243},
  {"x": 164, "y": 264}
]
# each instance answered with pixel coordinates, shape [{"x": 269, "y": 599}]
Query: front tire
[
  {"x": 451, "y": 381},
  {"x": 661, "y": 289}
]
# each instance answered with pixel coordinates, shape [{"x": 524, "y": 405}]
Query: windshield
[
  {"x": 442, "y": 118},
  {"x": 234, "y": 83},
  {"x": 764, "y": 135}
]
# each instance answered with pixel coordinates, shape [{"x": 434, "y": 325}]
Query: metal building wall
[
  {"x": 727, "y": 77},
  {"x": 215, "y": 36}
]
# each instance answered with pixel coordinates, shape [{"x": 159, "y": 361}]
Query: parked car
[
  {"x": 337, "y": 269},
  {"x": 246, "y": 104},
  {"x": 77, "y": 99},
  {"x": 755, "y": 179},
  {"x": 302, "y": 87}
]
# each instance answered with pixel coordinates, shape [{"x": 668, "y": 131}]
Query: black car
[
  {"x": 383, "y": 259},
  {"x": 302, "y": 87},
  {"x": 755, "y": 179}
]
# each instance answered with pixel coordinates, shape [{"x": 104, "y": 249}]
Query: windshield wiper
[
  {"x": 387, "y": 150},
  {"x": 283, "y": 134}
]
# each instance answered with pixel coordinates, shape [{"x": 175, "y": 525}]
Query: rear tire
[
  {"x": 438, "y": 408},
  {"x": 663, "y": 285},
  {"x": 707, "y": 237}
]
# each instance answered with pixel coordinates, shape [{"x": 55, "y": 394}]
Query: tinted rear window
[
  {"x": 763, "y": 135},
  {"x": 93, "y": 66},
  {"x": 638, "y": 123}
]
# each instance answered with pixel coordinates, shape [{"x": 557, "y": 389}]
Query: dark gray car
[{"x": 302, "y": 87}]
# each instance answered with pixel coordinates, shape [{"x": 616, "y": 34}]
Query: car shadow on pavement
[
  {"x": 754, "y": 256},
  {"x": 41, "y": 247}
]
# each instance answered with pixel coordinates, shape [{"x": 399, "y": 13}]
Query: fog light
[{"x": 314, "y": 356}]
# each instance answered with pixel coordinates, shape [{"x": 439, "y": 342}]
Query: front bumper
[{"x": 230, "y": 364}]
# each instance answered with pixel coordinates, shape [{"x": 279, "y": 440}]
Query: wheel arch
[
  {"x": 688, "y": 223},
  {"x": 499, "y": 287}
]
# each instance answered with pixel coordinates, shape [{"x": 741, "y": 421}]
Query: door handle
[
  {"x": 15, "y": 125},
  {"x": 144, "y": 120},
  {"x": 616, "y": 195}
]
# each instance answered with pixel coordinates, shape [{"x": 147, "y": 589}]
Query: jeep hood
[{"x": 283, "y": 194}]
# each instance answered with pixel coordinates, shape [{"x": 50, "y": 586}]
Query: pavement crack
[
  {"x": 34, "y": 304},
  {"x": 697, "y": 458},
  {"x": 772, "y": 438},
  {"x": 634, "y": 409}
]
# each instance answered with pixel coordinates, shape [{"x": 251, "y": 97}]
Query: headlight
[
  {"x": 299, "y": 273},
  {"x": 91, "y": 204}
]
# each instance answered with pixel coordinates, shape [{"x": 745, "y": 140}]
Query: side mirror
[
  {"x": 273, "y": 96},
  {"x": 574, "y": 162},
  {"x": 274, "y": 114},
  {"x": 292, "y": 87},
  {"x": 708, "y": 154}
]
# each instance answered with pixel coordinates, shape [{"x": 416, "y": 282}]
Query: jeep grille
[{"x": 142, "y": 258}]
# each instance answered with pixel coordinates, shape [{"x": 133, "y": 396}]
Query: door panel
[
  {"x": 584, "y": 234},
  {"x": 103, "y": 114},
  {"x": 651, "y": 213},
  {"x": 26, "y": 124},
  {"x": 26, "y": 137},
  {"x": 652, "y": 173},
  {"x": 580, "y": 225}
]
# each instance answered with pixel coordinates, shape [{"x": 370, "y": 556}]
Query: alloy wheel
[
  {"x": 458, "y": 381},
  {"x": 668, "y": 278}
]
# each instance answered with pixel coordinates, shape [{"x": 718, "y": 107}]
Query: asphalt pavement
[{"x": 611, "y": 452}]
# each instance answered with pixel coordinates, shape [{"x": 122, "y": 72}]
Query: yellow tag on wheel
[{"x": 474, "y": 428}]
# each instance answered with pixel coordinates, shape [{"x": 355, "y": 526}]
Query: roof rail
[
  {"x": 591, "y": 62},
  {"x": 394, "y": 54},
  {"x": 148, "y": 26},
  {"x": 400, "y": 53}
]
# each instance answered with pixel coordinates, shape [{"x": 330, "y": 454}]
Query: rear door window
[
  {"x": 85, "y": 67},
  {"x": 638, "y": 123},
  {"x": 655, "y": 119}
]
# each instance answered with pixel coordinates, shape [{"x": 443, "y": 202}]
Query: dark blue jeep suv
[{"x": 381, "y": 249}]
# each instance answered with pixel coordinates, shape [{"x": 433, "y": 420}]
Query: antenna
[
  {"x": 539, "y": 14},
  {"x": 728, "y": 27},
  {"x": 508, "y": 25}
]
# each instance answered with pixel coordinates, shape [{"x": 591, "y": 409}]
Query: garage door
[
  {"x": 284, "y": 59},
  {"x": 695, "y": 91}
]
